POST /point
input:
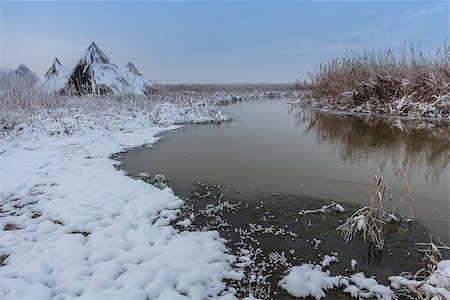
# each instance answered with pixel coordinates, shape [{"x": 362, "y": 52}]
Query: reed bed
[{"x": 384, "y": 83}]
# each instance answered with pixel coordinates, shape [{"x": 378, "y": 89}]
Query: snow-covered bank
[
  {"x": 402, "y": 107},
  {"x": 74, "y": 226}
]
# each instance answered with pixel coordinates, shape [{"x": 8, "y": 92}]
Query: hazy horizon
[{"x": 216, "y": 42}]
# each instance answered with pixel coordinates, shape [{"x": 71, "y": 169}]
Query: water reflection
[{"x": 418, "y": 145}]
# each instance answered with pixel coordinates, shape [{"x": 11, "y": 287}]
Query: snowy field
[{"x": 74, "y": 226}]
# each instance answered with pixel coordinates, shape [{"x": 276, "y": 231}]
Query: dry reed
[
  {"x": 370, "y": 220},
  {"x": 430, "y": 282},
  {"x": 380, "y": 79}
]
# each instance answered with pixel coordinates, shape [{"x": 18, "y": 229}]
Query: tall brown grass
[{"x": 382, "y": 77}]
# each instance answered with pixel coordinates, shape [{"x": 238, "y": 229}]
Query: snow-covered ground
[{"x": 72, "y": 225}]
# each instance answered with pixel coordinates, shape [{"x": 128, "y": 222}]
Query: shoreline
[
  {"x": 421, "y": 111},
  {"x": 75, "y": 226},
  {"x": 380, "y": 115}
]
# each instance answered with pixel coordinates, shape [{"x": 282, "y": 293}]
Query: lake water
[
  {"x": 273, "y": 147},
  {"x": 274, "y": 160}
]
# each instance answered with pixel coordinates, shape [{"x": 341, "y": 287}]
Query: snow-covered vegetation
[
  {"x": 414, "y": 84},
  {"x": 137, "y": 80},
  {"x": 370, "y": 220},
  {"x": 231, "y": 93},
  {"x": 292, "y": 270},
  {"x": 22, "y": 100},
  {"x": 212, "y": 88},
  {"x": 71, "y": 224},
  {"x": 55, "y": 78},
  {"x": 95, "y": 73},
  {"x": 431, "y": 282}
]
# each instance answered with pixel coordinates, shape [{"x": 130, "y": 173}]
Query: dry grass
[
  {"x": 370, "y": 220},
  {"x": 367, "y": 220},
  {"x": 2, "y": 260},
  {"x": 430, "y": 282},
  {"x": 9, "y": 227},
  {"x": 22, "y": 92},
  {"x": 382, "y": 78}
]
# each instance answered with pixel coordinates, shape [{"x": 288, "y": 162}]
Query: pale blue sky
[{"x": 215, "y": 41}]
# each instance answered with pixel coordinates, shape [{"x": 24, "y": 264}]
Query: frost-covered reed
[
  {"x": 22, "y": 100},
  {"x": 370, "y": 220},
  {"x": 19, "y": 91}
]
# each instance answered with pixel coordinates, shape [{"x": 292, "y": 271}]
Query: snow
[
  {"x": 55, "y": 78},
  {"x": 137, "y": 80},
  {"x": 185, "y": 223},
  {"x": 171, "y": 295},
  {"x": 409, "y": 107},
  {"x": 361, "y": 223},
  {"x": 353, "y": 263},
  {"x": 80, "y": 228},
  {"x": 327, "y": 260},
  {"x": 308, "y": 280},
  {"x": 368, "y": 288},
  {"x": 352, "y": 290},
  {"x": 435, "y": 286},
  {"x": 83, "y": 228},
  {"x": 362, "y": 282},
  {"x": 333, "y": 207}
]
